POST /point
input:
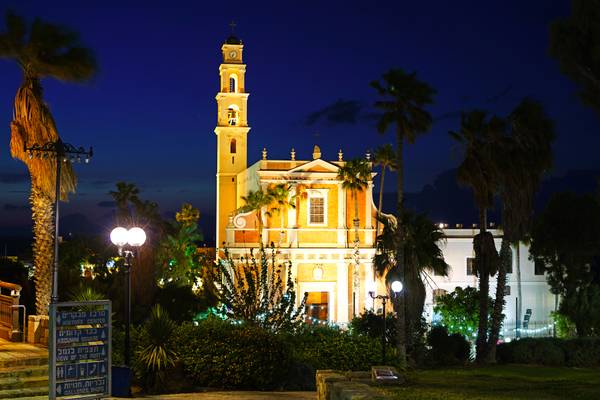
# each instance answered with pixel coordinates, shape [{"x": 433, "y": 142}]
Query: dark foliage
[
  {"x": 447, "y": 349},
  {"x": 584, "y": 352}
]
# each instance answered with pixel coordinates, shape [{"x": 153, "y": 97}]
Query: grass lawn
[{"x": 514, "y": 382}]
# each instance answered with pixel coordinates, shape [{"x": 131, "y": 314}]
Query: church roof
[{"x": 233, "y": 40}]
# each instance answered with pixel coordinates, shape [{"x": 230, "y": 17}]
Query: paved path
[{"x": 239, "y": 395}]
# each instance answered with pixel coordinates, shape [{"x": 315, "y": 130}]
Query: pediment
[{"x": 317, "y": 165}]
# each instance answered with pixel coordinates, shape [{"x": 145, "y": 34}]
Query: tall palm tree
[
  {"x": 423, "y": 255},
  {"x": 355, "y": 176},
  {"x": 281, "y": 195},
  {"x": 478, "y": 137},
  {"x": 385, "y": 157},
  {"x": 524, "y": 154},
  {"x": 255, "y": 201},
  {"x": 403, "y": 100},
  {"x": 126, "y": 194},
  {"x": 42, "y": 50}
]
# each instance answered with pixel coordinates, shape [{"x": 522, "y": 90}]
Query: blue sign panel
[
  {"x": 80, "y": 356},
  {"x": 89, "y": 386},
  {"x": 81, "y": 370},
  {"x": 79, "y": 353},
  {"x": 66, "y": 318},
  {"x": 66, "y": 336}
]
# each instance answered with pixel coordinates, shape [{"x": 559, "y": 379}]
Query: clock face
[{"x": 233, "y": 54}]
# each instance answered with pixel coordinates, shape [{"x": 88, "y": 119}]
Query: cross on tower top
[{"x": 232, "y": 24}]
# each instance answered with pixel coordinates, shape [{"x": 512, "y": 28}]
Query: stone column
[
  {"x": 368, "y": 217},
  {"x": 342, "y": 293},
  {"x": 292, "y": 234},
  {"x": 341, "y": 233}
]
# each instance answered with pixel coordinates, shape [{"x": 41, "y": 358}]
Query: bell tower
[{"x": 232, "y": 132}]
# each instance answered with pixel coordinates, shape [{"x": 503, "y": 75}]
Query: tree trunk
[
  {"x": 484, "y": 287},
  {"x": 497, "y": 316},
  {"x": 519, "y": 291},
  {"x": 43, "y": 246},
  {"x": 380, "y": 201},
  {"x": 401, "y": 308}
]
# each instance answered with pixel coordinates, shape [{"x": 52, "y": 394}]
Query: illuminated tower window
[
  {"x": 232, "y": 115},
  {"x": 232, "y": 84},
  {"x": 232, "y": 148}
]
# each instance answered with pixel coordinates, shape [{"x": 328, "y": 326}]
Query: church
[{"x": 318, "y": 235}]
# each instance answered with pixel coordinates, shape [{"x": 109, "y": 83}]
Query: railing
[{"x": 10, "y": 326}]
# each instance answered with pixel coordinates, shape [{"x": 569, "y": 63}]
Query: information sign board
[{"x": 80, "y": 349}]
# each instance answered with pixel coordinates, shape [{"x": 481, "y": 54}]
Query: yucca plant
[{"x": 155, "y": 354}]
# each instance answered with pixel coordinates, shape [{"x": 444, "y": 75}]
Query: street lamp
[
  {"x": 61, "y": 152},
  {"x": 127, "y": 241},
  {"x": 396, "y": 288}
]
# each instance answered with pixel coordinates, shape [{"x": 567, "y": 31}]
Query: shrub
[
  {"x": 371, "y": 324},
  {"x": 448, "y": 349},
  {"x": 216, "y": 353},
  {"x": 583, "y": 352},
  {"x": 330, "y": 348},
  {"x": 155, "y": 354}
]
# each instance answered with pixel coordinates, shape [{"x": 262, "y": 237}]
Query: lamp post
[
  {"x": 396, "y": 288},
  {"x": 61, "y": 152},
  {"x": 127, "y": 241}
]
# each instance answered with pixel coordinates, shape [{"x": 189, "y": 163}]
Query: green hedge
[
  {"x": 329, "y": 348},
  {"x": 583, "y": 352},
  {"x": 218, "y": 354}
]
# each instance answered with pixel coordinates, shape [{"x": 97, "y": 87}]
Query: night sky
[{"x": 150, "y": 112}]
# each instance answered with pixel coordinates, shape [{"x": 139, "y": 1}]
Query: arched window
[
  {"x": 232, "y": 84},
  {"x": 232, "y": 147},
  {"x": 232, "y": 115}
]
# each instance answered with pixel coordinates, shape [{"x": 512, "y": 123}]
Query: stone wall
[
  {"x": 37, "y": 329},
  {"x": 336, "y": 385}
]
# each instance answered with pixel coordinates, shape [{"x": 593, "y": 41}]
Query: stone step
[
  {"x": 23, "y": 361},
  {"x": 24, "y": 393},
  {"x": 39, "y": 381},
  {"x": 24, "y": 371}
]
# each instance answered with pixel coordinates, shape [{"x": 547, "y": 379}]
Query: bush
[
  {"x": 330, "y": 348},
  {"x": 448, "y": 349},
  {"x": 551, "y": 351},
  {"x": 216, "y": 353},
  {"x": 155, "y": 356},
  {"x": 371, "y": 324}
]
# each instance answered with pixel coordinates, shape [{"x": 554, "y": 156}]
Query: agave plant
[{"x": 155, "y": 354}]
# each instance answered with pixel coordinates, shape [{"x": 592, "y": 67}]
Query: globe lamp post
[{"x": 127, "y": 241}]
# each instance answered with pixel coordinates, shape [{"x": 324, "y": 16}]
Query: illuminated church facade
[{"x": 318, "y": 235}]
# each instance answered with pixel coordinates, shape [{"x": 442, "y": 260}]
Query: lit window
[
  {"x": 470, "y": 266},
  {"x": 232, "y": 84},
  {"x": 317, "y": 210},
  {"x": 232, "y": 116},
  {"x": 232, "y": 146}
]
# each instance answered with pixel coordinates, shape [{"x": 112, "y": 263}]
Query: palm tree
[
  {"x": 281, "y": 194},
  {"x": 403, "y": 100},
  {"x": 126, "y": 194},
  {"x": 386, "y": 158},
  {"x": 478, "y": 136},
  {"x": 355, "y": 176},
  {"x": 524, "y": 154},
  {"x": 423, "y": 255},
  {"x": 42, "y": 50},
  {"x": 255, "y": 201}
]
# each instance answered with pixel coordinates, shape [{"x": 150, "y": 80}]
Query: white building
[{"x": 534, "y": 304}]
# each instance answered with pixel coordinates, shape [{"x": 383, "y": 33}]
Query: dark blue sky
[{"x": 150, "y": 112}]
